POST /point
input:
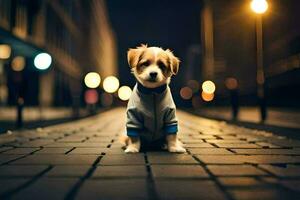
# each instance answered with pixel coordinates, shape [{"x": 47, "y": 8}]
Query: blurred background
[{"x": 65, "y": 59}]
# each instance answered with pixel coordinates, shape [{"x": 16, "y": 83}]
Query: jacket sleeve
[
  {"x": 170, "y": 121},
  {"x": 134, "y": 122}
]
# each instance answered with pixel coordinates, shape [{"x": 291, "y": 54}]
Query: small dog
[{"x": 151, "y": 112}]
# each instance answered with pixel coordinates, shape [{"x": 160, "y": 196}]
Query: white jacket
[{"x": 151, "y": 113}]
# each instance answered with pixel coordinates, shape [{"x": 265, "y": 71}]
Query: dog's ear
[
  {"x": 174, "y": 62},
  {"x": 133, "y": 55}
]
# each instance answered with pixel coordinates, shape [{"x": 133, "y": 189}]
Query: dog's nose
[{"x": 153, "y": 74}]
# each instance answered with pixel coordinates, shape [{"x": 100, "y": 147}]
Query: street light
[
  {"x": 260, "y": 7},
  {"x": 42, "y": 61},
  {"x": 208, "y": 87},
  {"x": 111, "y": 84},
  {"x": 5, "y": 51},
  {"x": 18, "y": 63},
  {"x": 207, "y": 96},
  {"x": 92, "y": 80},
  {"x": 124, "y": 93}
]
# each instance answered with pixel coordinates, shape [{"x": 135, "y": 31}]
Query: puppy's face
[{"x": 152, "y": 66}]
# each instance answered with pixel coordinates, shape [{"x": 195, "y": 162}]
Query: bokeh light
[
  {"x": 208, "y": 87},
  {"x": 91, "y": 96},
  {"x": 92, "y": 80},
  {"x": 231, "y": 83},
  {"x": 18, "y": 63},
  {"x": 186, "y": 93},
  {"x": 111, "y": 84},
  {"x": 42, "y": 61},
  {"x": 5, "y": 51},
  {"x": 207, "y": 96},
  {"x": 124, "y": 93},
  {"x": 194, "y": 85},
  {"x": 259, "y": 6},
  {"x": 106, "y": 99}
]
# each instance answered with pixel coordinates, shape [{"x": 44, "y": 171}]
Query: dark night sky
[{"x": 165, "y": 23}]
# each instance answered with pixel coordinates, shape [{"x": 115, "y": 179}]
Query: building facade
[
  {"x": 74, "y": 33},
  {"x": 229, "y": 48}
]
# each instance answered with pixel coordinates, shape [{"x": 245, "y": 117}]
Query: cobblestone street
[{"x": 83, "y": 160}]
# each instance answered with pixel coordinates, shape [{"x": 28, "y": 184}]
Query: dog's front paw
[
  {"x": 131, "y": 149},
  {"x": 176, "y": 149}
]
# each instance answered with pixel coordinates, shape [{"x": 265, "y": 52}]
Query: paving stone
[
  {"x": 268, "y": 145},
  {"x": 37, "y": 143},
  {"x": 120, "y": 171},
  {"x": 57, "y": 160},
  {"x": 9, "y": 184},
  {"x": 239, "y": 181},
  {"x": 53, "y": 150},
  {"x": 287, "y": 143},
  {"x": 225, "y": 145},
  {"x": 192, "y": 141},
  {"x": 99, "y": 139},
  {"x": 87, "y": 150},
  {"x": 236, "y": 141},
  {"x": 74, "y": 144},
  {"x": 125, "y": 159},
  {"x": 73, "y": 139},
  {"x": 286, "y": 171},
  {"x": 235, "y": 170},
  {"x": 21, "y": 151},
  {"x": 200, "y": 136},
  {"x": 266, "y": 168},
  {"x": 273, "y": 159},
  {"x": 171, "y": 159},
  {"x": 208, "y": 151},
  {"x": 117, "y": 145},
  {"x": 255, "y": 159},
  {"x": 178, "y": 171},
  {"x": 270, "y": 180},
  {"x": 68, "y": 171},
  {"x": 268, "y": 151},
  {"x": 229, "y": 137},
  {"x": 113, "y": 189},
  {"x": 46, "y": 188},
  {"x": 21, "y": 170},
  {"x": 198, "y": 145},
  {"x": 223, "y": 159},
  {"x": 291, "y": 184},
  {"x": 114, "y": 151},
  {"x": 188, "y": 189},
  {"x": 3, "y": 149},
  {"x": 5, "y": 158},
  {"x": 262, "y": 194}
]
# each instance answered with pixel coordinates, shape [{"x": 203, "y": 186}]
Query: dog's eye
[
  {"x": 161, "y": 65},
  {"x": 146, "y": 63}
]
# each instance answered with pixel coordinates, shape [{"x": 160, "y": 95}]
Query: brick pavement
[{"x": 83, "y": 160}]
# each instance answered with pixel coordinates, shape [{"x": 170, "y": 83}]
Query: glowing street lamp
[
  {"x": 207, "y": 96},
  {"x": 208, "y": 87},
  {"x": 124, "y": 93},
  {"x": 18, "y": 63},
  {"x": 42, "y": 61},
  {"x": 260, "y": 7},
  {"x": 110, "y": 84},
  {"x": 5, "y": 51},
  {"x": 92, "y": 80},
  {"x": 186, "y": 93}
]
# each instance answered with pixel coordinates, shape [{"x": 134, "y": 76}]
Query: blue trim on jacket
[
  {"x": 171, "y": 129},
  {"x": 132, "y": 132}
]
